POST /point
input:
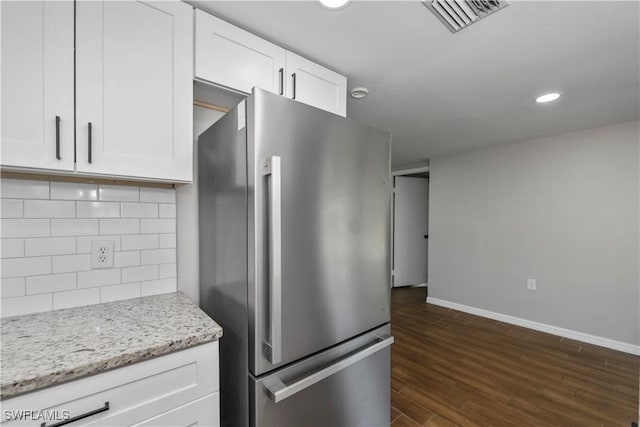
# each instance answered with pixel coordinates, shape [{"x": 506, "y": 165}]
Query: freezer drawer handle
[
  {"x": 274, "y": 348},
  {"x": 278, "y": 391}
]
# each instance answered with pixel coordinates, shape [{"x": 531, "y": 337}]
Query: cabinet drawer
[
  {"x": 134, "y": 393},
  {"x": 203, "y": 412}
]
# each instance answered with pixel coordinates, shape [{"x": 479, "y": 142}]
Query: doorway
[{"x": 410, "y": 228}]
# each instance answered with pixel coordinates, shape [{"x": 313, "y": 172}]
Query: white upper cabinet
[
  {"x": 234, "y": 58},
  {"x": 134, "y": 89},
  {"x": 37, "y": 84},
  {"x": 315, "y": 85}
]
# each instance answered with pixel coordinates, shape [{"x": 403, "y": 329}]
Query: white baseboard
[{"x": 542, "y": 327}]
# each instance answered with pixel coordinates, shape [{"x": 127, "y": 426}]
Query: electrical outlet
[
  {"x": 102, "y": 254},
  {"x": 531, "y": 284}
]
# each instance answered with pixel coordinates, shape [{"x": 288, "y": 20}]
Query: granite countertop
[{"x": 45, "y": 349}]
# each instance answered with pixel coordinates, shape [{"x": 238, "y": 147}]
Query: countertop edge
[{"x": 26, "y": 384}]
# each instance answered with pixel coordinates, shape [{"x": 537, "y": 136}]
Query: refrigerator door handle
[
  {"x": 273, "y": 170},
  {"x": 278, "y": 391}
]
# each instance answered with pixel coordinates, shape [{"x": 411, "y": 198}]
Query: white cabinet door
[
  {"x": 134, "y": 80},
  {"x": 316, "y": 85},
  {"x": 202, "y": 412},
  {"x": 37, "y": 84},
  {"x": 229, "y": 56},
  {"x": 136, "y": 393}
]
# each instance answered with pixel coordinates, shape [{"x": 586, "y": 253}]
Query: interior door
[
  {"x": 322, "y": 275},
  {"x": 410, "y": 235}
]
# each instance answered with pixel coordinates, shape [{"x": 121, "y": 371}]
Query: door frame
[{"x": 403, "y": 172}]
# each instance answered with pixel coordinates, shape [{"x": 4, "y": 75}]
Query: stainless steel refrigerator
[{"x": 294, "y": 207}]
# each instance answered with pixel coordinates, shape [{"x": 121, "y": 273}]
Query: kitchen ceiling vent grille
[{"x": 459, "y": 14}]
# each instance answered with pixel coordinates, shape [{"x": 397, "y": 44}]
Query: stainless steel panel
[
  {"x": 355, "y": 395},
  {"x": 279, "y": 391},
  {"x": 222, "y": 191},
  {"x": 335, "y": 211}
]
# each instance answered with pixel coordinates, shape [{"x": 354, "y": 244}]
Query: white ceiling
[{"x": 439, "y": 92}]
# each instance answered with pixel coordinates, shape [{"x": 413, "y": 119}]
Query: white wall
[
  {"x": 47, "y": 229},
  {"x": 562, "y": 210}
]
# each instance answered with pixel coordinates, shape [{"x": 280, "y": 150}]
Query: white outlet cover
[
  {"x": 102, "y": 254},
  {"x": 531, "y": 284}
]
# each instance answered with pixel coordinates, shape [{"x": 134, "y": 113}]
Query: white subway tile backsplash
[
  {"x": 167, "y": 240},
  {"x": 26, "y": 305},
  {"x": 97, "y": 209},
  {"x": 162, "y": 286},
  {"x": 23, "y": 189},
  {"x": 11, "y": 208},
  {"x": 74, "y": 227},
  {"x": 119, "y": 292},
  {"x": 158, "y": 256},
  {"x": 159, "y": 195},
  {"x": 93, "y": 278},
  {"x": 76, "y": 298},
  {"x": 47, "y": 230},
  {"x": 167, "y": 270},
  {"x": 119, "y": 226},
  {"x": 25, "y": 228},
  {"x": 84, "y": 243},
  {"x": 140, "y": 241},
  {"x": 138, "y": 274},
  {"x": 139, "y": 210},
  {"x": 167, "y": 225},
  {"x": 51, "y": 283},
  {"x": 70, "y": 263},
  {"x": 12, "y": 287},
  {"x": 19, "y": 267},
  {"x": 12, "y": 248},
  {"x": 49, "y": 209},
  {"x": 167, "y": 210},
  {"x": 118, "y": 193},
  {"x": 73, "y": 191},
  {"x": 50, "y": 246},
  {"x": 126, "y": 259}
]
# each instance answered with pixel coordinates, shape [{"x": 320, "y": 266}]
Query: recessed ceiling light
[
  {"x": 547, "y": 97},
  {"x": 334, "y": 4},
  {"x": 359, "y": 92}
]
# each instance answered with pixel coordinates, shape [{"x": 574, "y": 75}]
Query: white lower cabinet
[
  {"x": 202, "y": 412},
  {"x": 180, "y": 388}
]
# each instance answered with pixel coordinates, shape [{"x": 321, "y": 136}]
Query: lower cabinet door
[
  {"x": 202, "y": 412},
  {"x": 346, "y": 386}
]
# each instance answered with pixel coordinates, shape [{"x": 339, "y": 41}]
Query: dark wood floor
[{"x": 451, "y": 368}]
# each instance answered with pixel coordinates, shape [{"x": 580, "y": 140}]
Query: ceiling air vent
[{"x": 459, "y": 14}]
